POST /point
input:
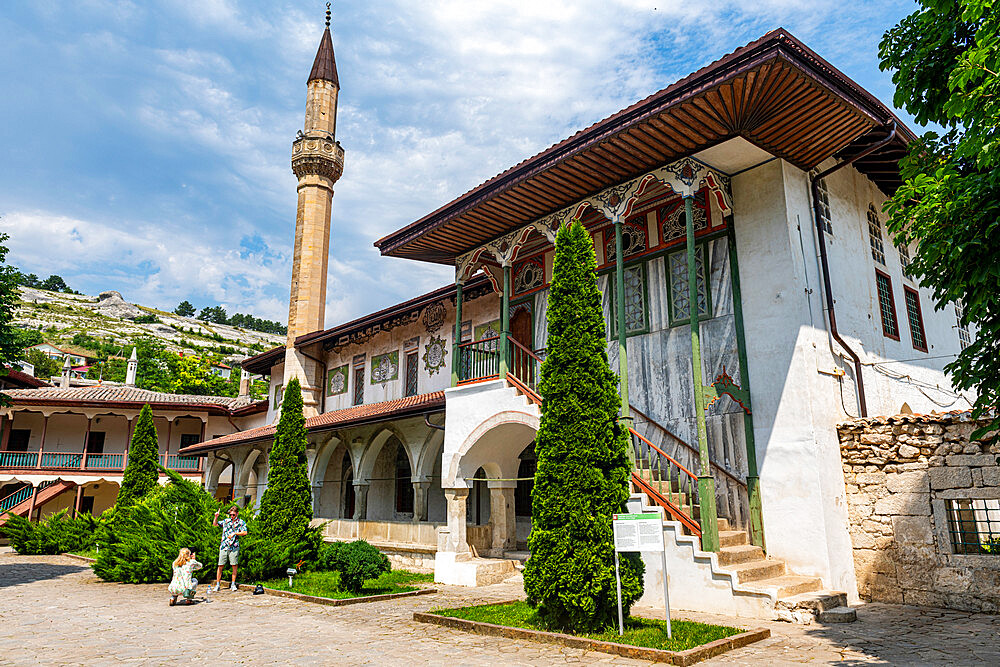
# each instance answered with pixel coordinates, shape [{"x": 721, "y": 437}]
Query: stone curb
[
  {"x": 85, "y": 559},
  {"x": 330, "y": 602},
  {"x": 688, "y": 657}
]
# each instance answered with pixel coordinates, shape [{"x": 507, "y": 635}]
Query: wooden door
[{"x": 520, "y": 330}]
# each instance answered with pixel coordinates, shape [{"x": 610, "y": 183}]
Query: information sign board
[{"x": 638, "y": 532}]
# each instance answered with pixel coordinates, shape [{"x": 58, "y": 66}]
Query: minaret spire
[{"x": 317, "y": 161}]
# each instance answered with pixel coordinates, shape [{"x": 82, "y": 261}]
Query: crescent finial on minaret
[{"x": 328, "y": 15}]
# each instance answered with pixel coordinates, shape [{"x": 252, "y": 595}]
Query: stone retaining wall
[{"x": 899, "y": 472}]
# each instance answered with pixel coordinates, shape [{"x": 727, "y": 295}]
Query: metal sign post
[{"x": 637, "y": 533}]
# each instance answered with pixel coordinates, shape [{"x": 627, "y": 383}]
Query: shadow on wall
[{"x": 15, "y": 574}]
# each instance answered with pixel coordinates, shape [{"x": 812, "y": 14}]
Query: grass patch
[
  {"x": 327, "y": 584},
  {"x": 645, "y": 632},
  {"x": 88, "y": 553}
]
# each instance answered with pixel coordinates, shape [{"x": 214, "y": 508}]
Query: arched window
[
  {"x": 404, "y": 485},
  {"x": 526, "y": 467},
  {"x": 347, "y": 475}
]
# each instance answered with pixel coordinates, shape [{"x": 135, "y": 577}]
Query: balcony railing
[
  {"x": 479, "y": 360},
  {"x": 91, "y": 462}
]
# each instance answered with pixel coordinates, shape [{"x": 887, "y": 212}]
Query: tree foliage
[
  {"x": 11, "y": 342},
  {"x": 286, "y": 506},
  {"x": 142, "y": 469},
  {"x": 946, "y": 60},
  {"x": 45, "y": 366},
  {"x": 184, "y": 309},
  {"x": 55, "y": 535},
  {"x": 583, "y": 466},
  {"x": 53, "y": 283}
]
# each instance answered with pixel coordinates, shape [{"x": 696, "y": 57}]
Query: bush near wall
[{"x": 900, "y": 474}]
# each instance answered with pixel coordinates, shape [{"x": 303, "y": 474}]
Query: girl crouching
[{"x": 183, "y": 584}]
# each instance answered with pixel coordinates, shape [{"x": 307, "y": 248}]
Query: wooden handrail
[
  {"x": 664, "y": 454},
  {"x": 524, "y": 349},
  {"x": 524, "y": 389},
  {"x": 684, "y": 444},
  {"x": 673, "y": 509}
]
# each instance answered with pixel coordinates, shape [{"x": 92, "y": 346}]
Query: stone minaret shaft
[{"x": 318, "y": 161}]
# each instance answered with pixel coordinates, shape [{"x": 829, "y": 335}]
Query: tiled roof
[
  {"x": 121, "y": 395},
  {"x": 353, "y": 416},
  {"x": 20, "y": 377}
]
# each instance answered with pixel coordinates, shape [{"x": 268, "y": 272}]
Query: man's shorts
[{"x": 230, "y": 556}]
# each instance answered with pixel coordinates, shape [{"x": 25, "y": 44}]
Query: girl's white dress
[{"x": 182, "y": 582}]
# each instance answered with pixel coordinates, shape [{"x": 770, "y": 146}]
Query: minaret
[
  {"x": 317, "y": 160},
  {"x": 132, "y": 369}
]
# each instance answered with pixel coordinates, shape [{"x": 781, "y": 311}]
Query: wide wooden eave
[{"x": 775, "y": 93}]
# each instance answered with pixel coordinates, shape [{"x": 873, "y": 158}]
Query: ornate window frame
[
  {"x": 643, "y": 270},
  {"x": 706, "y": 277}
]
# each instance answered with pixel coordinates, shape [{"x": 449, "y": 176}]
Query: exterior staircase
[{"x": 46, "y": 491}]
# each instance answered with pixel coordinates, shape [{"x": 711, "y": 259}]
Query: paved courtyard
[{"x": 53, "y": 610}]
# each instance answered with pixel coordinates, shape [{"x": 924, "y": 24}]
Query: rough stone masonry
[{"x": 900, "y": 474}]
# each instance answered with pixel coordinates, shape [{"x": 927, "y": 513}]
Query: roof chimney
[
  {"x": 244, "y": 383},
  {"x": 133, "y": 367},
  {"x": 67, "y": 367}
]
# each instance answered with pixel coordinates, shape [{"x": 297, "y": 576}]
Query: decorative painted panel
[
  {"x": 528, "y": 275},
  {"x": 633, "y": 240},
  {"x": 336, "y": 381},
  {"x": 385, "y": 367},
  {"x": 434, "y": 353},
  {"x": 489, "y": 330},
  {"x": 674, "y": 224},
  {"x": 433, "y": 317}
]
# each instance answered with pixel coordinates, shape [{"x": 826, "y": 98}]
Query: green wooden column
[
  {"x": 504, "y": 346},
  {"x": 620, "y": 317},
  {"x": 753, "y": 481},
  {"x": 455, "y": 358},
  {"x": 706, "y": 483}
]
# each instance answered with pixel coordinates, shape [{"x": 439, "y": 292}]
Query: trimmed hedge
[
  {"x": 57, "y": 534},
  {"x": 356, "y": 562}
]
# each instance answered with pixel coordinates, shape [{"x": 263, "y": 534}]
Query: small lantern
[{"x": 291, "y": 572}]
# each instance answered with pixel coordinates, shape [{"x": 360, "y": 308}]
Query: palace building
[{"x": 753, "y": 297}]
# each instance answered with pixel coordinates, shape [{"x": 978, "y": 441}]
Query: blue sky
[{"x": 144, "y": 146}]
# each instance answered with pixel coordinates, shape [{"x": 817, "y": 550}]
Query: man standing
[{"x": 233, "y": 529}]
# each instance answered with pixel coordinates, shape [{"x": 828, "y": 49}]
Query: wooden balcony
[{"x": 71, "y": 462}]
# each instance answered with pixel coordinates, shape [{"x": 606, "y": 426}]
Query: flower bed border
[
  {"x": 334, "y": 602},
  {"x": 85, "y": 559},
  {"x": 687, "y": 657}
]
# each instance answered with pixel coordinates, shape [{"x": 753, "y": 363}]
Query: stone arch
[
  {"x": 366, "y": 461},
  {"x": 323, "y": 457},
  {"x": 494, "y": 445},
  {"x": 241, "y": 480},
  {"x": 430, "y": 450},
  {"x": 329, "y": 482}
]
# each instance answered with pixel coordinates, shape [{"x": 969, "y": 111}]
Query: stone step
[
  {"x": 519, "y": 556},
  {"x": 757, "y": 570},
  {"x": 817, "y": 601},
  {"x": 732, "y": 538},
  {"x": 724, "y": 524},
  {"x": 786, "y": 585},
  {"x": 838, "y": 615},
  {"x": 743, "y": 553}
]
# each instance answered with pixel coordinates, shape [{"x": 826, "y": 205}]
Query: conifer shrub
[
  {"x": 583, "y": 467},
  {"x": 356, "y": 562},
  {"x": 142, "y": 469},
  {"x": 57, "y": 534},
  {"x": 286, "y": 506}
]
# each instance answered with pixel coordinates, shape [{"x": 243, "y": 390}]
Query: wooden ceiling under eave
[{"x": 774, "y": 92}]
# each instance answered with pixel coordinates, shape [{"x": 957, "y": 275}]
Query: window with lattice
[
  {"x": 875, "y": 236},
  {"x": 964, "y": 339},
  {"x": 823, "y": 201},
  {"x": 412, "y": 365},
  {"x": 359, "y": 381},
  {"x": 636, "y": 320},
  {"x": 915, "y": 318},
  {"x": 678, "y": 295},
  {"x": 904, "y": 259},
  {"x": 887, "y": 305}
]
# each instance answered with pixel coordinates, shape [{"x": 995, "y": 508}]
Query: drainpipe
[
  {"x": 322, "y": 379},
  {"x": 825, "y": 265}
]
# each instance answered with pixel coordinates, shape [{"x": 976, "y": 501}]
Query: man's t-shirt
[{"x": 230, "y": 540}]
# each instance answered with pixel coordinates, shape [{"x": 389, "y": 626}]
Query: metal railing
[
  {"x": 176, "y": 462},
  {"x": 16, "y": 498},
  {"x": 105, "y": 462},
  {"x": 479, "y": 360},
  {"x": 18, "y": 459},
  {"x": 60, "y": 460},
  {"x": 667, "y": 483}
]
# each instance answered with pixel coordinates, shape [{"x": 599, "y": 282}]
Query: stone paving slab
[{"x": 53, "y": 610}]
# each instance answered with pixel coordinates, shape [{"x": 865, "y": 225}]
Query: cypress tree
[
  {"x": 286, "y": 506},
  {"x": 143, "y": 468},
  {"x": 583, "y": 466}
]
